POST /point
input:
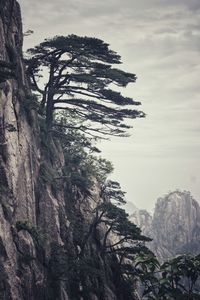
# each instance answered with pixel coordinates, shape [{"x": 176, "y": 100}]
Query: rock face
[
  {"x": 19, "y": 157},
  {"x": 174, "y": 227}
]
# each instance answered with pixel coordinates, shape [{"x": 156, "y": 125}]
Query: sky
[{"x": 159, "y": 41}]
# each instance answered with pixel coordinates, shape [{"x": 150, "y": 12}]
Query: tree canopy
[{"x": 78, "y": 76}]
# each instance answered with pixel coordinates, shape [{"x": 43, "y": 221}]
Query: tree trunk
[
  {"x": 49, "y": 112},
  {"x": 50, "y": 99}
]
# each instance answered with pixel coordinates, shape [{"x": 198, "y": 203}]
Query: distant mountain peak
[{"x": 175, "y": 225}]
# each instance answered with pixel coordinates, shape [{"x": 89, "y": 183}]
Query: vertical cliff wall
[
  {"x": 19, "y": 155},
  {"x": 19, "y": 145}
]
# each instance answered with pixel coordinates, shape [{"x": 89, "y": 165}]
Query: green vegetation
[
  {"x": 82, "y": 165},
  {"x": 176, "y": 279},
  {"x": 37, "y": 235},
  {"x": 48, "y": 173}
]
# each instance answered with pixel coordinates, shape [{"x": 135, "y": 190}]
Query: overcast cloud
[{"x": 159, "y": 40}]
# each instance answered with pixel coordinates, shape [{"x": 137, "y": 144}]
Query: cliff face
[
  {"x": 174, "y": 227},
  {"x": 19, "y": 157},
  {"x": 42, "y": 221}
]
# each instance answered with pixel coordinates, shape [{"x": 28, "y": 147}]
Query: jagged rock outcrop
[{"x": 174, "y": 227}]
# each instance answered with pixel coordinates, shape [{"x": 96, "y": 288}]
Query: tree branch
[{"x": 35, "y": 84}]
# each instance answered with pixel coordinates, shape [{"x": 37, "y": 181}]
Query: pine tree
[{"x": 78, "y": 76}]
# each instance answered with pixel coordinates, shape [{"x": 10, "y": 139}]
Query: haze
[{"x": 159, "y": 41}]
